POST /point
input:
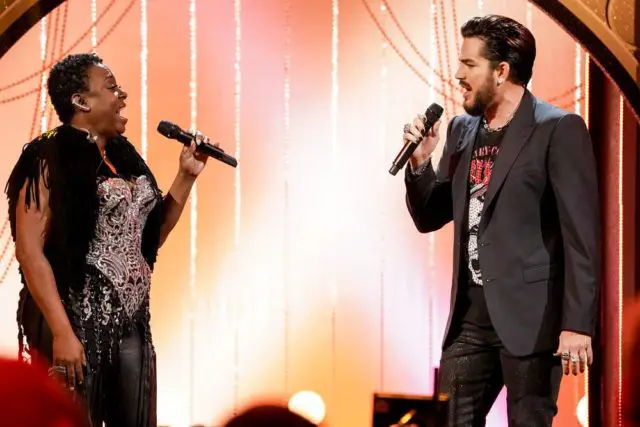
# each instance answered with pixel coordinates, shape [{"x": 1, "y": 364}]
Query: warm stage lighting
[
  {"x": 582, "y": 411},
  {"x": 294, "y": 209},
  {"x": 309, "y": 405},
  {"x": 407, "y": 410}
]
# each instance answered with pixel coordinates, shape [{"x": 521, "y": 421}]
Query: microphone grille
[
  {"x": 435, "y": 110},
  {"x": 168, "y": 129}
]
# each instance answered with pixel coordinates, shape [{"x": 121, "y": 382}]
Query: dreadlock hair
[{"x": 67, "y": 77}]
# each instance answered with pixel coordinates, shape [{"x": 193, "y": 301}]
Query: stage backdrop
[{"x": 300, "y": 269}]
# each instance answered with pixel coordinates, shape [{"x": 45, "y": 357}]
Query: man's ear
[
  {"x": 503, "y": 70},
  {"x": 78, "y": 101}
]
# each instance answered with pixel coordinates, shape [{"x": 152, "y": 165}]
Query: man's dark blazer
[{"x": 539, "y": 237}]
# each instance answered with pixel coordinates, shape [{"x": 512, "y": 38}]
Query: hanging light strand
[
  {"x": 94, "y": 28},
  {"x": 528, "y": 19},
  {"x": 432, "y": 236},
  {"x": 144, "y": 89},
  {"x": 578, "y": 81},
  {"x": 384, "y": 70},
  {"x": 335, "y": 90},
  {"x": 237, "y": 14},
  {"x": 193, "y": 207},
  {"x": 620, "y": 256},
  {"x": 43, "y": 77},
  {"x": 286, "y": 142},
  {"x": 586, "y": 119}
]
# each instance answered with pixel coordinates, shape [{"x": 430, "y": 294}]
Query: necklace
[
  {"x": 106, "y": 161},
  {"x": 486, "y": 127},
  {"x": 103, "y": 152}
]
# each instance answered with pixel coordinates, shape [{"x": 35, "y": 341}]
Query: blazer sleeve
[
  {"x": 428, "y": 195},
  {"x": 572, "y": 173}
]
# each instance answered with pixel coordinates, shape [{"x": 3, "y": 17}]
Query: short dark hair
[
  {"x": 506, "y": 40},
  {"x": 69, "y": 76},
  {"x": 267, "y": 415}
]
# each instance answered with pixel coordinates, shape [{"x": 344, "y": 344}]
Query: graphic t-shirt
[{"x": 485, "y": 153}]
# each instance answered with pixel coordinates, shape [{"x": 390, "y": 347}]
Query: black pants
[
  {"x": 124, "y": 394},
  {"x": 121, "y": 394},
  {"x": 474, "y": 368}
]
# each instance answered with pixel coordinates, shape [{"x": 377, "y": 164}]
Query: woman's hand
[
  {"x": 69, "y": 359},
  {"x": 192, "y": 162}
]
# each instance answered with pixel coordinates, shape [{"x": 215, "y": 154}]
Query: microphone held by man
[{"x": 425, "y": 126}]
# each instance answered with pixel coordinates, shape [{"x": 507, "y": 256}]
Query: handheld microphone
[
  {"x": 432, "y": 115},
  {"x": 172, "y": 131}
]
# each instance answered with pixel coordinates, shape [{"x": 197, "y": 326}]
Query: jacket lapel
[
  {"x": 515, "y": 138},
  {"x": 460, "y": 180}
]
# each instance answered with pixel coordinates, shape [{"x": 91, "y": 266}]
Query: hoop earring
[{"x": 80, "y": 106}]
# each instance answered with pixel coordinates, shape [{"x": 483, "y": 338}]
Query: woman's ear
[{"x": 78, "y": 101}]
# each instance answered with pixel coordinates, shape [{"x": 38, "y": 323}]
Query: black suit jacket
[{"x": 539, "y": 237}]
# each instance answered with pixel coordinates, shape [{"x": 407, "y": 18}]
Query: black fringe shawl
[{"x": 69, "y": 165}]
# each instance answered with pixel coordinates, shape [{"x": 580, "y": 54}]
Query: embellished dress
[
  {"x": 115, "y": 298},
  {"x": 102, "y": 243}
]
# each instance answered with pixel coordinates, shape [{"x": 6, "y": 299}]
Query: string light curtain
[{"x": 300, "y": 269}]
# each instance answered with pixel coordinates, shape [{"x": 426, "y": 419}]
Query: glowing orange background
[{"x": 314, "y": 277}]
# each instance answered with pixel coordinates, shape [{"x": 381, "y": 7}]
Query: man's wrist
[
  {"x": 576, "y": 332},
  {"x": 419, "y": 167}
]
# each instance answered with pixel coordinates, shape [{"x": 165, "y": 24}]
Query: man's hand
[
  {"x": 575, "y": 351},
  {"x": 426, "y": 144}
]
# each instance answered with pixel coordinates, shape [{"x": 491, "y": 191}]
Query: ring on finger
[
  {"x": 199, "y": 137},
  {"x": 57, "y": 369}
]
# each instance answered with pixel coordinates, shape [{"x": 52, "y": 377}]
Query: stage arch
[
  {"x": 599, "y": 24},
  {"x": 606, "y": 28}
]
